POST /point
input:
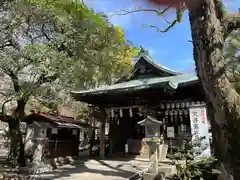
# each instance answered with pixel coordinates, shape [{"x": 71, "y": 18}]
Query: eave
[{"x": 171, "y": 82}]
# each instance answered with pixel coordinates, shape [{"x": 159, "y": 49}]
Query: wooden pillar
[{"x": 102, "y": 135}]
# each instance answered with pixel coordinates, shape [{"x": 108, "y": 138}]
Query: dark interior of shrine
[{"x": 124, "y": 128}]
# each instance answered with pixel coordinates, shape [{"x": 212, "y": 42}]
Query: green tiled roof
[{"x": 140, "y": 84}]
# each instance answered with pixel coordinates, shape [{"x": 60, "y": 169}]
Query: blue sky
[{"x": 171, "y": 49}]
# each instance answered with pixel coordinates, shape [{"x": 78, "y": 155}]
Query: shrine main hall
[{"x": 151, "y": 91}]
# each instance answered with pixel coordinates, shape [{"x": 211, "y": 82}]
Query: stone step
[{"x": 164, "y": 170}]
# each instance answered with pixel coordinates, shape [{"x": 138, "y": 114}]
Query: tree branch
[
  {"x": 158, "y": 12},
  {"x": 44, "y": 33},
  {"x": 3, "y": 106},
  {"x": 179, "y": 13},
  {"x": 5, "y": 118},
  {"x": 172, "y": 24}
]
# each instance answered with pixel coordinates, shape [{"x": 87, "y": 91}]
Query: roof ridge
[{"x": 149, "y": 59}]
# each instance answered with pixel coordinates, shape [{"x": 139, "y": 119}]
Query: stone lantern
[
  {"x": 151, "y": 144},
  {"x": 152, "y": 127}
]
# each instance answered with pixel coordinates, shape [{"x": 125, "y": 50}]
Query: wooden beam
[
  {"x": 126, "y": 107},
  {"x": 102, "y": 135}
]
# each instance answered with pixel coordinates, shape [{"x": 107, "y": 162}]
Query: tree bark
[
  {"x": 208, "y": 35},
  {"x": 17, "y": 155}
]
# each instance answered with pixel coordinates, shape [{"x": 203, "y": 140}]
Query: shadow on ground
[{"x": 92, "y": 169}]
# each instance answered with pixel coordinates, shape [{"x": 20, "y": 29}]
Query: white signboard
[
  {"x": 200, "y": 127},
  {"x": 170, "y": 132}
]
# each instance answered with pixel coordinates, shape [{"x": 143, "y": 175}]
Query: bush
[{"x": 191, "y": 167}]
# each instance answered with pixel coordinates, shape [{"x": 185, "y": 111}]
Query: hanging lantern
[
  {"x": 120, "y": 113},
  {"x": 112, "y": 113},
  {"x": 177, "y": 105},
  {"x": 192, "y": 103},
  {"x": 180, "y": 112},
  {"x": 198, "y": 102},
  {"x": 168, "y": 106},
  {"x": 130, "y": 112},
  {"x": 172, "y": 105},
  {"x": 203, "y": 103},
  {"x": 175, "y": 112},
  {"x": 182, "y": 105},
  {"x": 166, "y": 113},
  {"x": 187, "y": 104}
]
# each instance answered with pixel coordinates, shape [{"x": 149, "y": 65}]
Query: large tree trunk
[
  {"x": 16, "y": 154},
  {"x": 208, "y": 40}
]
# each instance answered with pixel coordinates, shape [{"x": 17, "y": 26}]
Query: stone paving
[
  {"x": 94, "y": 169},
  {"x": 98, "y": 170}
]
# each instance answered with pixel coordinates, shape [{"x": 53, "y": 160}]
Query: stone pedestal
[{"x": 152, "y": 147}]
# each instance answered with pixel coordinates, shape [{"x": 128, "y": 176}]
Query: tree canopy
[{"x": 49, "y": 47}]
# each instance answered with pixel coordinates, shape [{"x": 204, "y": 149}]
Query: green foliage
[
  {"x": 50, "y": 47},
  {"x": 190, "y": 166},
  {"x": 55, "y": 46}
]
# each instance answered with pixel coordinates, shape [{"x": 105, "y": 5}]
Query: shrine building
[{"x": 132, "y": 107}]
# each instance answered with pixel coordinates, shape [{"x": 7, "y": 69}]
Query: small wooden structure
[
  {"x": 152, "y": 90},
  {"x": 60, "y": 133}
]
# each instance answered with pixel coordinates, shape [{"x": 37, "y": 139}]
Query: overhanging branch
[
  {"x": 172, "y": 24},
  {"x": 179, "y": 14},
  {"x": 158, "y": 12}
]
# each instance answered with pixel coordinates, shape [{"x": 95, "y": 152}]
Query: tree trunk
[
  {"x": 17, "y": 155},
  {"x": 208, "y": 40}
]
